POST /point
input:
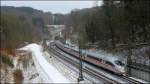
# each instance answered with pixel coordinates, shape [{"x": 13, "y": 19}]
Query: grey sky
[{"x": 52, "y": 6}]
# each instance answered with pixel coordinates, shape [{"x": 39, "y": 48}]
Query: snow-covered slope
[{"x": 48, "y": 72}]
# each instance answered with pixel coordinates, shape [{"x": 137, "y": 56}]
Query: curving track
[
  {"x": 92, "y": 70},
  {"x": 86, "y": 70}
]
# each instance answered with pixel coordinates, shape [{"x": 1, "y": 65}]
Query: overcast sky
[{"x": 52, "y": 6}]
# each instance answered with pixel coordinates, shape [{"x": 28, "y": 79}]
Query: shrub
[{"x": 7, "y": 60}]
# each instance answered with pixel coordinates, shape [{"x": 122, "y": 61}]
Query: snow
[
  {"x": 142, "y": 81},
  {"x": 31, "y": 75},
  {"x": 52, "y": 74},
  {"x": 71, "y": 72},
  {"x": 15, "y": 62}
]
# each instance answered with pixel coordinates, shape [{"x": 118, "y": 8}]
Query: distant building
[{"x": 55, "y": 30}]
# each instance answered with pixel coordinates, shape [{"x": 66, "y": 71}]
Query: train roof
[{"x": 102, "y": 55}]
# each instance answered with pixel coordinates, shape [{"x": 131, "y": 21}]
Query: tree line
[
  {"x": 113, "y": 23},
  {"x": 14, "y": 32},
  {"x": 22, "y": 24}
]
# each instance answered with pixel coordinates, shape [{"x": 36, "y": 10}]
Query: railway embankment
[
  {"x": 46, "y": 71},
  {"x": 66, "y": 63},
  {"x": 128, "y": 80},
  {"x": 70, "y": 71},
  {"x": 24, "y": 62}
]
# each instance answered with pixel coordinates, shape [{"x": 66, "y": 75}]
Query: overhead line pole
[{"x": 80, "y": 78}]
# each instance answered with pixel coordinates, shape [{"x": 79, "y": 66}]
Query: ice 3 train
[{"x": 107, "y": 62}]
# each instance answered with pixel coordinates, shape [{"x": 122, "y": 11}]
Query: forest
[
  {"x": 20, "y": 25},
  {"x": 115, "y": 23},
  {"x": 14, "y": 32}
]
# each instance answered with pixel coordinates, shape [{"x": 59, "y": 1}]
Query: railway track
[
  {"x": 86, "y": 70},
  {"x": 131, "y": 80},
  {"x": 90, "y": 71},
  {"x": 72, "y": 63}
]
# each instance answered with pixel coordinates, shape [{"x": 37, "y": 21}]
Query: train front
[{"x": 120, "y": 67}]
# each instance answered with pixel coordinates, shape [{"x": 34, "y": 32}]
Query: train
[{"x": 107, "y": 62}]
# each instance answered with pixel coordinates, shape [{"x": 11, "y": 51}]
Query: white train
[{"x": 107, "y": 62}]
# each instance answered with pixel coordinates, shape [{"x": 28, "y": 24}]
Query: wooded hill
[
  {"x": 110, "y": 25},
  {"x": 21, "y": 24}
]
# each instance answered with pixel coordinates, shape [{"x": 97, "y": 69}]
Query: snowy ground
[
  {"x": 47, "y": 71},
  {"x": 31, "y": 76},
  {"x": 30, "y": 73},
  {"x": 71, "y": 75},
  {"x": 71, "y": 72},
  {"x": 6, "y": 74}
]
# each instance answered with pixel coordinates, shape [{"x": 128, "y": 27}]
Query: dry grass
[{"x": 18, "y": 76}]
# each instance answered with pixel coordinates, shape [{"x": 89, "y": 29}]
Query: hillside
[{"x": 37, "y": 18}]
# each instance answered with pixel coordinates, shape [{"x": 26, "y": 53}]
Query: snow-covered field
[{"x": 47, "y": 71}]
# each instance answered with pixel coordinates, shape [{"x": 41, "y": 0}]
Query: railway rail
[
  {"x": 90, "y": 71},
  {"x": 131, "y": 80},
  {"x": 71, "y": 62},
  {"x": 86, "y": 70}
]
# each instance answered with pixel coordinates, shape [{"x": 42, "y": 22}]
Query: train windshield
[{"x": 119, "y": 63}]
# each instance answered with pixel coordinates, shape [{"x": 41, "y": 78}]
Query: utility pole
[
  {"x": 129, "y": 61},
  {"x": 80, "y": 78},
  {"x": 44, "y": 38}
]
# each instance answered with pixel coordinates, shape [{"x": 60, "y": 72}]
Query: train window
[
  {"x": 109, "y": 63},
  {"x": 100, "y": 59},
  {"x": 119, "y": 63}
]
